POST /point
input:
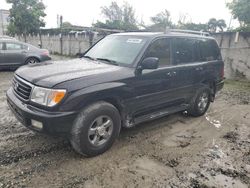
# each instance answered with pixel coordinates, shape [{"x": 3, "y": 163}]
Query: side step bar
[{"x": 159, "y": 114}]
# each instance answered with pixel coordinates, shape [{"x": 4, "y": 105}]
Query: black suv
[{"x": 123, "y": 80}]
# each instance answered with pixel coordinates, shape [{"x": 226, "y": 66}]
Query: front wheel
[
  {"x": 200, "y": 102},
  {"x": 95, "y": 129}
]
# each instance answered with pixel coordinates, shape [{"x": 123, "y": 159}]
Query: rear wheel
[
  {"x": 200, "y": 103},
  {"x": 31, "y": 61},
  {"x": 95, "y": 129}
]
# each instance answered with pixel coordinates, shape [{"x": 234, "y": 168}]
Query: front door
[
  {"x": 186, "y": 60},
  {"x": 153, "y": 88}
]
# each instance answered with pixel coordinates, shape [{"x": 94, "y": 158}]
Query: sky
[{"x": 79, "y": 12}]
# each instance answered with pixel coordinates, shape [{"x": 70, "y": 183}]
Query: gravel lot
[{"x": 176, "y": 151}]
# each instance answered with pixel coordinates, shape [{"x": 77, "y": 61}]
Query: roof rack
[{"x": 202, "y": 33}]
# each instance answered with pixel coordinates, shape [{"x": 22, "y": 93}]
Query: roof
[{"x": 160, "y": 34}]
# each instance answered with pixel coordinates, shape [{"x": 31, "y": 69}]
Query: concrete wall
[
  {"x": 65, "y": 45},
  {"x": 235, "y": 50}
]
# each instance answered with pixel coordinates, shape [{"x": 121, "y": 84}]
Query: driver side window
[{"x": 160, "y": 49}]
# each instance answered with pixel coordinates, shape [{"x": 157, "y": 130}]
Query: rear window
[
  {"x": 25, "y": 47},
  {"x": 185, "y": 50},
  {"x": 209, "y": 50},
  {"x": 13, "y": 46}
]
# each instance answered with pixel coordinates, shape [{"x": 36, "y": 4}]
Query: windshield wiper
[
  {"x": 88, "y": 57},
  {"x": 113, "y": 62}
]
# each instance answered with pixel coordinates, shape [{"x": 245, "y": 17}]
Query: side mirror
[{"x": 150, "y": 63}]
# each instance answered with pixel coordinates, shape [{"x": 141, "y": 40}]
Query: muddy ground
[{"x": 176, "y": 151}]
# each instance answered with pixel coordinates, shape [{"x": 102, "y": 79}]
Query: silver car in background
[{"x": 14, "y": 53}]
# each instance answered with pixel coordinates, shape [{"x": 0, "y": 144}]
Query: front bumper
[{"x": 58, "y": 123}]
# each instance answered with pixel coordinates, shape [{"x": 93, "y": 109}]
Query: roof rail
[{"x": 202, "y": 33}]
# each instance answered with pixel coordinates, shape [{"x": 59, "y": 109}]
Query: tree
[
  {"x": 221, "y": 24},
  {"x": 213, "y": 24},
  {"x": 241, "y": 11},
  {"x": 66, "y": 25},
  {"x": 26, "y": 16},
  {"x": 161, "y": 21},
  {"x": 118, "y": 17},
  {"x": 193, "y": 26}
]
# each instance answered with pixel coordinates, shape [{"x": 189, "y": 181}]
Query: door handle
[
  {"x": 171, "y": 74},
  {"x": 24, "y": 52},
  {"x": 199, "y": 68}
]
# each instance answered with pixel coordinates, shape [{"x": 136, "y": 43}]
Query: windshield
[{"x": 119, "y": 49}]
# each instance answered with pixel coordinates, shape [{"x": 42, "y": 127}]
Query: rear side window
[
  {"x": 185, "y": 50},
  {"x": 209, "y": 50},
  {"x": 1, "y": 46},
  {"x": 13, "y": 46},
  {"x": 160, "y": 49},
  {"x": 25, "y": 47}
]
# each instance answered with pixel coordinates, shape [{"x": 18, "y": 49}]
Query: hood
[{"x": 49, "y": 74}]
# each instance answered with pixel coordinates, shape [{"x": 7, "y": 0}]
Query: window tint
[
  {"x": 160, "y": 49},
  {"x": 209, "y": 50},
  {"x": 185, "y": 50},
  {"x": 13, "y": 46}
]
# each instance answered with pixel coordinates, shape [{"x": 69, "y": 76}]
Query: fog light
[{"x": 37, "y": 124}]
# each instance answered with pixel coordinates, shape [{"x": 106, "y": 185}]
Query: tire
[
  {"x": 87, "y": 129},
  {"x": 32, "y": 61},
  {"x": 200, "y": 102}
]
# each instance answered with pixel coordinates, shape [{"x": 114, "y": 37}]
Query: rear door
[
  {"x": 14, "y": 53},
  {"x": 186, "y": 58}
]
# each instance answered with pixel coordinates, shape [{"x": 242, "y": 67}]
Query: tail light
[
  {"x": 222, "y": 73},
  {"x": 45, "y": 53}
]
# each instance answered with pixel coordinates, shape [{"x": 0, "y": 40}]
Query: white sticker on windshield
[{"x": 137, "y": 41}]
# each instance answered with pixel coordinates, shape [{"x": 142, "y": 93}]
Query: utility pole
[{"x": 61, "y": 35}]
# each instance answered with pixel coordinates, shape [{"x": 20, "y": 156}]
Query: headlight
[{"x": 47, "y": 97}]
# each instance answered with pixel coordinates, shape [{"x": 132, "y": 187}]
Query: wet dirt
[{"x": 175, "y": 151}]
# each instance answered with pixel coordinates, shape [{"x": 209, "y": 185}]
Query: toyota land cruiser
[{"x": 123, "y": 80}]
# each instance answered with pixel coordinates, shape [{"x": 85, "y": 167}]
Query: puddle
[{"x": 214, "y": 122}]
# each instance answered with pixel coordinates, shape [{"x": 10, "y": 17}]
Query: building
[{"x": 4, "y": 21}]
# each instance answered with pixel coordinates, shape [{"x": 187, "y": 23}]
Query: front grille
[{"x": 22, "y": 88}]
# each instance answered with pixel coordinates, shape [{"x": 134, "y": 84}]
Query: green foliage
[
  {"x": 241, "y": 11},
  {"x": 193, "y": 26},
  {"x": 214, "y": 24},
  {"x": 118, "y": 17},
  {"x": 26, "y": 16},
  {"x": 161, "y": 21},
  {"x": 66, "y": 25}
]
